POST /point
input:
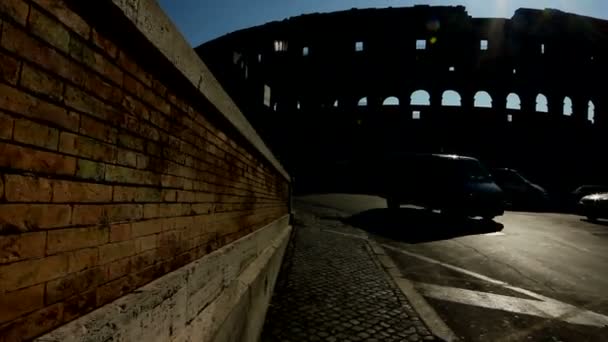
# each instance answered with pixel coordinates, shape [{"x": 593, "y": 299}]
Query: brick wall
[{"x": 109, "y": 178}]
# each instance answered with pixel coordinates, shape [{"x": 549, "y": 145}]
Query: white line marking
[
  {"x": 544, "y": 307},
  {"x": 552, "y": 309}
]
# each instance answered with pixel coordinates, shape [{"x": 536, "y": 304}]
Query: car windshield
[{"x": 466, "y": 169}]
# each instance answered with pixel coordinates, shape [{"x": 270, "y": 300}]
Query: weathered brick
[
  {"x": 114, "y": 251},
  {"x": 126, "y": 158},
  {"x": 100, "y": 88},
  {"x": 73, "y": 284},
  {"x": 23, "y": 274},
  {"x": 20, "y": 302},
  {"x": 121, "y": 174},
  {"x": 145, "y": 243},
  {"x": 135, "y": 107},
  {"x": 15, "y": 9},
  {"x": 49, "y": 30},
  {"x": 63, "y": 13},
  {"x": 22, "y": 246},
  {"x": 6, "y": 126},
  {"x": 29, "y": 132},
  {"x": 143, "y": 260},
  {"x": 147, "y": 227},
  {"x": 79, "y": 305},
  {"x": 79, "y": 50},
  {"x": 118, "y": 268},
  {"x": 34, "y": 324},
  {"x": 27, "y": 189},
  {"x": 124, "y": 212},
  {"x": 41, "y": 82},
  {"x": 89, "y": 214},
  {"x": 90, "y": 170},
  {"x": 86, "y": 147},
  {"x": 120, "y": 232},
  {"x": 29, "y": 106},
  {"x": 159, "y": 88},
  {"x": 130, "y": 141},
  {"x": 70, "y": 239},
  {"x": 28, "y": 217},
  {"x": 137, "y": 194},
  {"x": 151, "y": 211},
  {"x": 82, "y": 259},
  {"x": 97, "y": 129},
  {"x": 66, "y": 191},
  {"x": 132, "y": 67},
  {"x": 9, "y": 68},
  {"x": 84, "y": 102},
  {"x": 27, "y": 159},
  {"x": 133, "y": 86},
  {"x": 103, "y": 43},
  {"x": 114, "y": 289}
]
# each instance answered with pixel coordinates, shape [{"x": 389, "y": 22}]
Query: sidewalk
[{"x": 332, "y": 288}]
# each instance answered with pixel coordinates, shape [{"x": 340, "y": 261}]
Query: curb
[{"x": 430, "y": 317}]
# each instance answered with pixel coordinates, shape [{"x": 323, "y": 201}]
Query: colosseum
[{"x": 524, "y": 92}]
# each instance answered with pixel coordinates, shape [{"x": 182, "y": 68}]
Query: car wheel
[{"x": 592, "y": 218}]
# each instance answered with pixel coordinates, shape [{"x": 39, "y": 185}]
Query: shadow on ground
[{"x": 418, "y": 225}]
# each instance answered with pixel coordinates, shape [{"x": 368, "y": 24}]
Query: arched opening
[
  {"x": 298, "y": 105},
  {"x": 420, "y": 98},
  {"x": 567, "y": 106},
  {"x": 591, "y": 112},
  {"x": 483, "y": 100},
  {"x": 451, "y": 98},
  {"x": 513, "y": 102},
  {"x": 391, "y": 101},
  {"x": 542, "y": 105},
  {"x": 362, "y": 102},
  {"x": 336, "y": 104}
]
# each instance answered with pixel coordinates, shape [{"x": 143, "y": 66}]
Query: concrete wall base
[{"x": 220, "y": 297}]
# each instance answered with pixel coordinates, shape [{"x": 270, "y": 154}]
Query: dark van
[{"x": 453, "y": 184}]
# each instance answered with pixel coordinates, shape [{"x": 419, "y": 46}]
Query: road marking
[{"x": 542, "y": 307}]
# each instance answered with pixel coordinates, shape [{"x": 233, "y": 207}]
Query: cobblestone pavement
[{"x": 334, "y": 290}]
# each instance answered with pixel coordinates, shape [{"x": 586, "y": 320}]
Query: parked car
[
  {"x": 585, "y": 190},
  {"x": 521, "y": 193},
  {"x": 594, "y": 206},
  {"x": 453, "y": 184}
]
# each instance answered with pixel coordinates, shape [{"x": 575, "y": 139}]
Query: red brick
[
  {"x": 105, "y": 44},
  {"x": 143, "y": 260},
  {"x": 133, "y": 86},
  {"x": 23, "y": 274},
  {"x": 70, "y": 239},
  {"x": 137, "y": 194},
  {"x": 126, "y": 158},
  {"x": 118, "y": 250},
  {"x": 15, "y": 9},
  {"x": 6, "y": 126},
  {"x": 142, "y": 161},
  {"x": 145, "y": 243},
  {"x": 90, "y": 170},
  {"x": 29, "y": 132},
  {"x": 27, "y": 159},
  {"x": 89, "y": 214},
  {"x": 121, "y": 174},
  {"x": 79, "y": 305},
  {"x": 108, "y": 92},
  {"x": 29, "y": 106},
  {"x": 9, "y": 68},
  {"x": 130, "y": 141},
  {"x": 34, "y": 324},
  {"x": 114, "y": 289},
  {"x": 97, "y": 129},
  {"x": 84, "y": 102},
  {"x": 135, "y": 107},
  {"x": 74, "y": 284},
  {"x": 159, "y": 88},
  {"x": 151, "y": 211},
  {"x": 22, "y": 246},
  {"x": 124, "y": 212},
  {"x": 66, "y": 191},
  {"x": 120, "y": 232},
  {"x": 27, "y": 217},
  {"x": 63, "y": 13},
  {"x": 27, "y": 189},
  {"x": 18, "y": 303},
  {"x": 79, "y": 50},
  {"x": 86, "y": 147},
  {"x": 118, "y": 268},
  {"x": 82, "y": 259},
  {"x": 49, "y": 30},
  {"x": 132, "y": 67},
  {"x": 147, "y": 227},
  {"x": 41, "y": 82}
]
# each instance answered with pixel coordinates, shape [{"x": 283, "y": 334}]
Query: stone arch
[
  {"x": 362, "y": 102},
  {"x": 391, "y": 101},
  {"x": 451, "y": 98},
  {"x": 567, "y": 106},
  {"x": 542, "y": 104},
  {"x": 513, "y": 101},
  {"x": 420, "y": 98},
  {"x": 483, "y": 100}
]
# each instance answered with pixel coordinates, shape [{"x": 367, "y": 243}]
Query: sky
[{"x": 203, "y": 20}]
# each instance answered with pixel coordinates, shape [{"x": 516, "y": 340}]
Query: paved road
[{"x": 525, "y": 277}]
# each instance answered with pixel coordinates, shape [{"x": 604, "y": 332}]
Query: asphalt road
[{"x": 524, "y": 277}]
